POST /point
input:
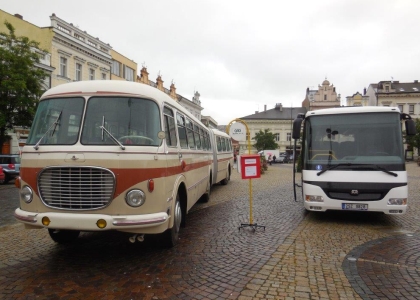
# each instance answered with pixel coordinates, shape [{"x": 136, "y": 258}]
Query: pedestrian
[
  {"x": 274, "y": 158},
  {"x": 270, "y": 159}
]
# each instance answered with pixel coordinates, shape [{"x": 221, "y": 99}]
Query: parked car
[
  {"x": 11, "y": 166},
  {"x": 2, "y": 176},
  {"x": 283, "y": 159}
]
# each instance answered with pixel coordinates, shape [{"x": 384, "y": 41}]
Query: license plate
[{"x": 354, "y": 206}]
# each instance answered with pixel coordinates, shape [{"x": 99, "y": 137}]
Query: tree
[
  {"x": 264, "y": 140},
  {"x": 20, "y": 80},
  {"x": 414, "y": 140}
]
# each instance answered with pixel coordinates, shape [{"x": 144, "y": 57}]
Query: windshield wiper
[
  {"x": 376, "y": 167},
  {"x": 359, "y": 167},
  {"x": 112, "y": 137},
  {"x": 333, "y": 167},
  {"x": 36, "y": 147}
]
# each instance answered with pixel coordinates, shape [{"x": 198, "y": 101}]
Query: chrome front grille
[{"x": 76, "y": 188}]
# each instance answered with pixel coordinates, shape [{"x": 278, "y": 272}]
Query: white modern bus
[
  {"x": 352, "y": 158},
  {"x": 113, "y": 155},
  {"x": 222, "y": 156}
]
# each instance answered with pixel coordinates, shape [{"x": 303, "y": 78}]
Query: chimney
[
  {"x": 19, "y": 16},
  {"x": 364, "y": 91},
  {"x": 416, "y": 81},
  {"x": 265, "y": 107},
  {"x": 172, "y": 92},
  {"x": 159, "y": 82},
  {"x": 256, "y": 112}
]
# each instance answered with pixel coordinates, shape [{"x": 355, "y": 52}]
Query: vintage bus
[
  {"x": 353, "y": 159},
  {"x": 222, "y": 156},
  {"x": 113, "y": 155}
]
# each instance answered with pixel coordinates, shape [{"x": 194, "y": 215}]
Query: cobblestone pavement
[{"x": 299, "y": 255}]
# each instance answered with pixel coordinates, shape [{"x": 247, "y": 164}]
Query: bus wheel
[
  {"x": 63, "y": 236},
  {"x": 170, "y": 236},
  {"x": 226, "y": 180}
]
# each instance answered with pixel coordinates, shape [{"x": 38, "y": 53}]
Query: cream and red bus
[{"x": 113, "y": 155}]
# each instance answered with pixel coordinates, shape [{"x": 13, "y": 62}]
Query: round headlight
[
  {"x": 135, "y": 198},
  {"x": 26, "y": 194}
]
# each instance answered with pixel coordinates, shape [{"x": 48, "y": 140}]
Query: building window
[
  {"x": 79, "y": 37},
  {"x": 63, "y": 66},
  {"x": 103, "y": 76},
  {"x": 91, "y": 74},
  {"x": 63, "y": 29},
  {"x": 411, "y": 109},
  {"x": 400, "y": 107},
  {"x": 128, "y": 73},
  {"x": 277, "y": 137},
  {"x": 116, "y": 68},
  {"x": 91, "y": 43},
  {"x": 289, "y": 136},
  {"x": 325, "y": 97},
  {"x": 78, "y": 72},
  {"x": 387, "y": 88}
]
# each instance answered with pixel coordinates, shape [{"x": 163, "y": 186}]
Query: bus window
[
  {"x": 170, "y": 127},
  {"x": 182, "y": 131},
  {"x": 219, "y": 144},
  {"x": 197, "y": 136},
  {"x": 132, "y": 121},
  {"x": 190, "y": 133},
  {"x": 208, "y": 141},
  {"x": 59, "y": 120},
  {"x": 224, "y": 144},
  {"x": 203, "y": 140}
]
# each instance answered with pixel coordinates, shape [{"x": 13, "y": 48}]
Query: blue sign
[{"x": 319, "y": 167}]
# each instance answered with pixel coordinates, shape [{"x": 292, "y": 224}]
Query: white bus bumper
[
  {"x": 334, "y": 204},
  {"x": 88, "y": 222}
]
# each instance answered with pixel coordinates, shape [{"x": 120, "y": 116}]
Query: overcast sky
[{"x": 242, "y": 55}]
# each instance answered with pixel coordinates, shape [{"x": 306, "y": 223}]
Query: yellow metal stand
[{"x": 251, "y": 221}]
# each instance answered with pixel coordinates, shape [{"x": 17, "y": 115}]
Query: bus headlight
[
  {"x": 397, "y": 201},
  {"x": 26, "y": 194},
  {"x": 135, "y": 198},
  {"x": 313, "y": 198}
]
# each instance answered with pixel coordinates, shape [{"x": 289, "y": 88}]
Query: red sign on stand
[{"x": 250, "y": 166}]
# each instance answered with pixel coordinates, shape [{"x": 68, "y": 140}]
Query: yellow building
[
  {"x": 122, "y": 68},
  {"x": 43, "y": 36}
]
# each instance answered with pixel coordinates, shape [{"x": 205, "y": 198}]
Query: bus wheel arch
[
  {"x": 206, "y": 196},
  {"x": 227, "y": 178}
]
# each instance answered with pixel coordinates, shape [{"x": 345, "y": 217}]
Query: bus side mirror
[
  {"x": 410, "y": 127},
  {"x": 297, "y": 123}
]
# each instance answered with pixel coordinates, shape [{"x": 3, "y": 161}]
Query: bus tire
[
  {"x": 171, "y": 236},
  {"x": 226, "y": 180},
  {"x": 63, "y": 236}
]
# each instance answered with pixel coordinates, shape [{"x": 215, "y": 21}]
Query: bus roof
[
  {"x": 219, "y": 132},
  {"x": 116, "y": 87},
  {"x": 104, "y": 86},
  {"x": 352, "y": 110}
]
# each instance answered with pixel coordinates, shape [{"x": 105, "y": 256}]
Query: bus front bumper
[{"x": 91, "y": 222}]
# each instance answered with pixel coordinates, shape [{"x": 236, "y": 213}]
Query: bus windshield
[
  {"x": 132, "y": 121},
  {"x": 353, "y": 140},
  {"x": 57, "y": 122}
]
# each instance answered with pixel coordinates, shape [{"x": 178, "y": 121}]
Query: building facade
[
  {"x": 357, "y": 100},
  {"x": 279, "y": 120},
  {"x": 325, "y": 97},
  {"x": 44, "y": 37},
  {"x": 76, "y": 55},
  {"x": 404, "y": 95},
  {"x": 122, "y": 67}
]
